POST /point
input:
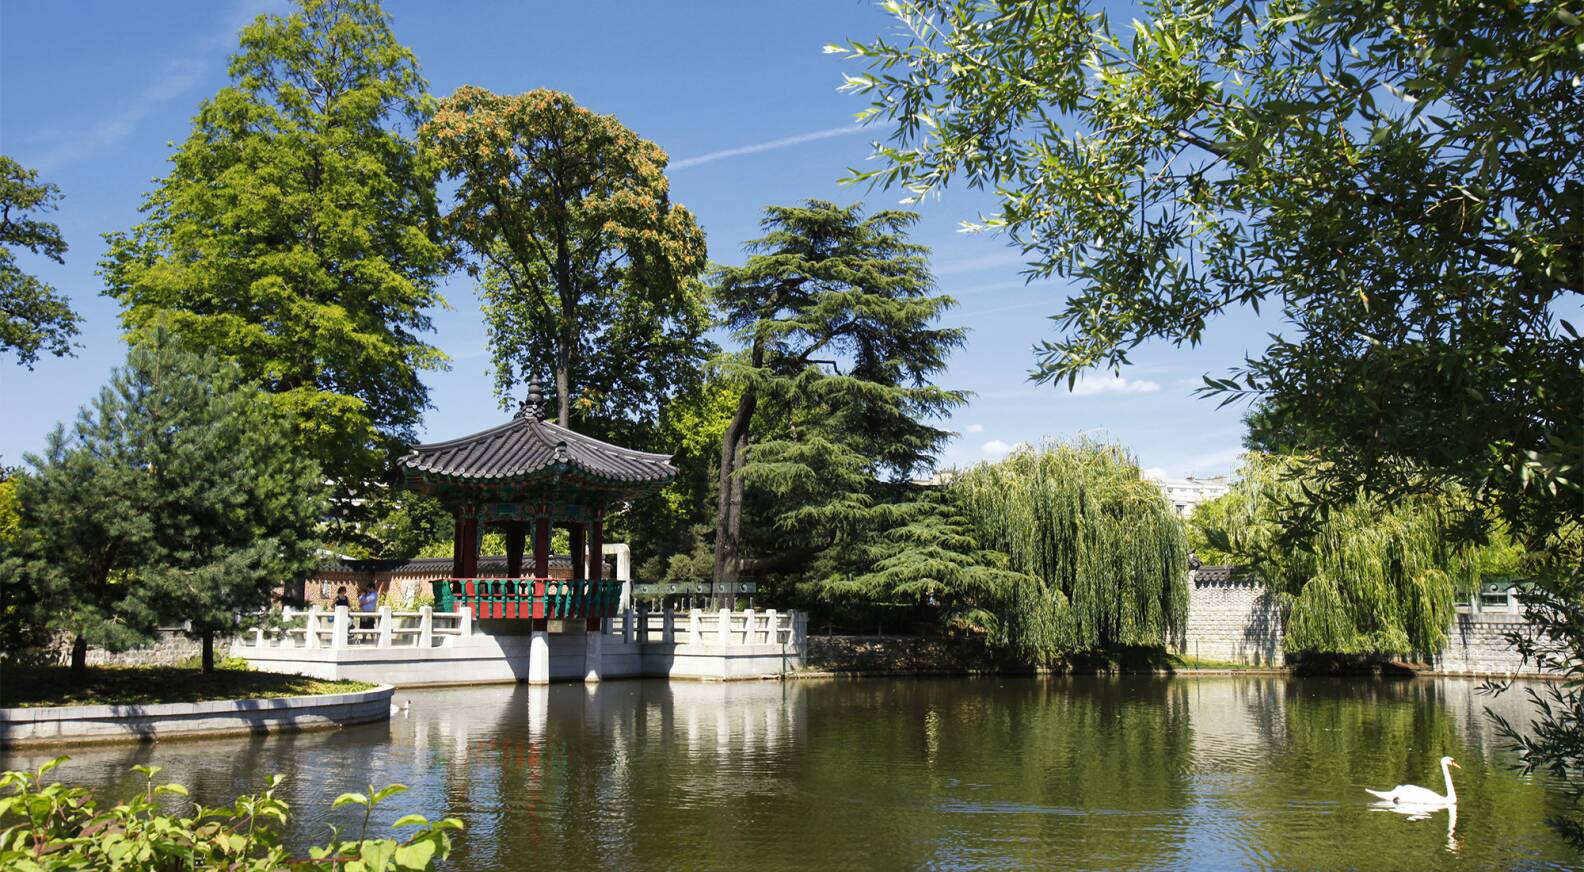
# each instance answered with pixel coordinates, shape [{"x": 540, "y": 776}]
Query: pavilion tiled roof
[{"x": 527, "y": 446}]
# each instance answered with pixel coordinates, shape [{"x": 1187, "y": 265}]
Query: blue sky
[{"x": 739, "y": 94}]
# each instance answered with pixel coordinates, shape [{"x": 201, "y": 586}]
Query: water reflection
[{"x": 947, "y": 773}]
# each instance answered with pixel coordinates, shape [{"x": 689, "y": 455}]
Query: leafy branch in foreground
[
  {"x": 1554, "y": 742},
  {"x": 34, "y": 317},
  {"x": 48, "y": 827},
  {"x": 1400, "y": 184}
]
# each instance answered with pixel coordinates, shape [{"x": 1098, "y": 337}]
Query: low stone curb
[{"x": 83, "y": 724}]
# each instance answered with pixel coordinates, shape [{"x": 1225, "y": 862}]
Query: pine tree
[
  {"x": 837, "y": 315},
  {"x": 176, "y": 497},
  {"x": 298, "y": 234}
]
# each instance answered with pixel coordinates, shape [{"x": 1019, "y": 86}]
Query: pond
[{"x": 950, "y": 773}]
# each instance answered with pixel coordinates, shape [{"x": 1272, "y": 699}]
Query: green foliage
[
  {"x": 176, "y": 497},
  {"x": 1371, "y": 578},
  {"x": 52, "y": 685},
  {"x": 1400, "y": 182},
  {"x": 1554, "y": 607},
  {"x": 10, "y": 517},
  {"x": 33, "y": 316},
  {"x": 49, "y": 827},
  {"x": 837, "y": 312},
  {"x": 1206, "y": 529},
  {"x": 590, "y": 271},
  {"x": 298, "y": 234},
  {"x": 1109, "y": 552},
  {"x": 672, "y": 524},
  {"x": 401, "y": 524},
  {"x": 930, "y": 555}
]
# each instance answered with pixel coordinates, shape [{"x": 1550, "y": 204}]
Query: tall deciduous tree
[
  {"x": 33, "y": 316},
  {"x": 836, "y": 311},
  {"x": 298, "y": 234},
  {"x": 590, "y": 271},
  {"x": 176, "y": 498}
]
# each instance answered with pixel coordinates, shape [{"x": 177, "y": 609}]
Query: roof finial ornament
[{"x": 531, "y": 407}]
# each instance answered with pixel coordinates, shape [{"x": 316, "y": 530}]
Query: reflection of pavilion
[{"x": 525, "y": 478}]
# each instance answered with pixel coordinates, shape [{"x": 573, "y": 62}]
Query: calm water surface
[{"x": 993, "y": 773}]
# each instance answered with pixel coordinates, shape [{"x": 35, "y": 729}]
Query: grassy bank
[{"x": 146, "y": 685}]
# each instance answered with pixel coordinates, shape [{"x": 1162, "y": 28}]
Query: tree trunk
[
  {"x": 728, "y": 515},
  {"x": 207, "y": 639},
  {"x": 563, "y": 380},
  {"x": 79, "y": 657}
]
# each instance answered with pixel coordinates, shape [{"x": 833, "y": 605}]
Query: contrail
[{"x": 766, "y": 146}]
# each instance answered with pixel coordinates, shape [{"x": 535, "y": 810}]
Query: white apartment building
[{"x": 1187, "y": 493}]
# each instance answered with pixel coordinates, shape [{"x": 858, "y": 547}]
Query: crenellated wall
[
  {"x": 1232, "y": 619},
  {"x": 1235, "y": 619}
]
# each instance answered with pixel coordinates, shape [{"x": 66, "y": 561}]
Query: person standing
[{"x": 368, "y": 601}]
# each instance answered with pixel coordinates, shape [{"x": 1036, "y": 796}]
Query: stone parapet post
[{"x": 539, "y": 657}]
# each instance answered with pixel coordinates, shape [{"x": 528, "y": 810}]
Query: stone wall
[
  {"x": 1236, "y": 620},
  {"x": 1232, "y": 619},
  {"x": 1477, "y": 645},
  {"x": 171, "y": 648}
]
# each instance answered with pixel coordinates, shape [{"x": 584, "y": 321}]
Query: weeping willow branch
[
  {"x": 1369, "y": 577},
  {"x": 1104, "y": 556}
]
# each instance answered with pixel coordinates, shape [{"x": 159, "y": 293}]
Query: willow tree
[
  {"x": 1102, "y": 541},
  {"x": 590, "y": 270},
  {"x": 930, "y": 553},
  {"x": 1369, "y": 577}
]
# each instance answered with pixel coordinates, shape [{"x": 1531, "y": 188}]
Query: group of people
[{"x": 368, "y": 601}]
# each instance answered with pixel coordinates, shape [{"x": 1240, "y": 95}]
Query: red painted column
[
  {"x": 541, "y": 547},
  {"x": 541, "y": 570},
  {"x": 516, "y": 538},
  {"x": 470, "y": 548}
]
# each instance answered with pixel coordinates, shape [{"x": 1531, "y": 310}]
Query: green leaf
[
  {"x": 350, "y": 799},
  {"x": 415, "y": 856}
]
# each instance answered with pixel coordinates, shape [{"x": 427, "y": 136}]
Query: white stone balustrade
[
  {"x": 428, "y": 647},
  {"x": 345, "y": 629}
]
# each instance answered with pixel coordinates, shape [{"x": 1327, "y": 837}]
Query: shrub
[{"x": 48, "y": 827}]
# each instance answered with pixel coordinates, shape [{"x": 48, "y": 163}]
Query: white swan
[{"x": 1415, "y": 797}]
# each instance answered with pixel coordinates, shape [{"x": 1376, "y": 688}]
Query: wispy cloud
[
  {"x": 771, "y": 145},
  {"x": 974, "y": 428},
  {"x": 1116, "y": 384},
  {"x": 999, "y": 448},
  {"x": 1156, "y": 473},
  {"x": 177, "y": 76}
]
